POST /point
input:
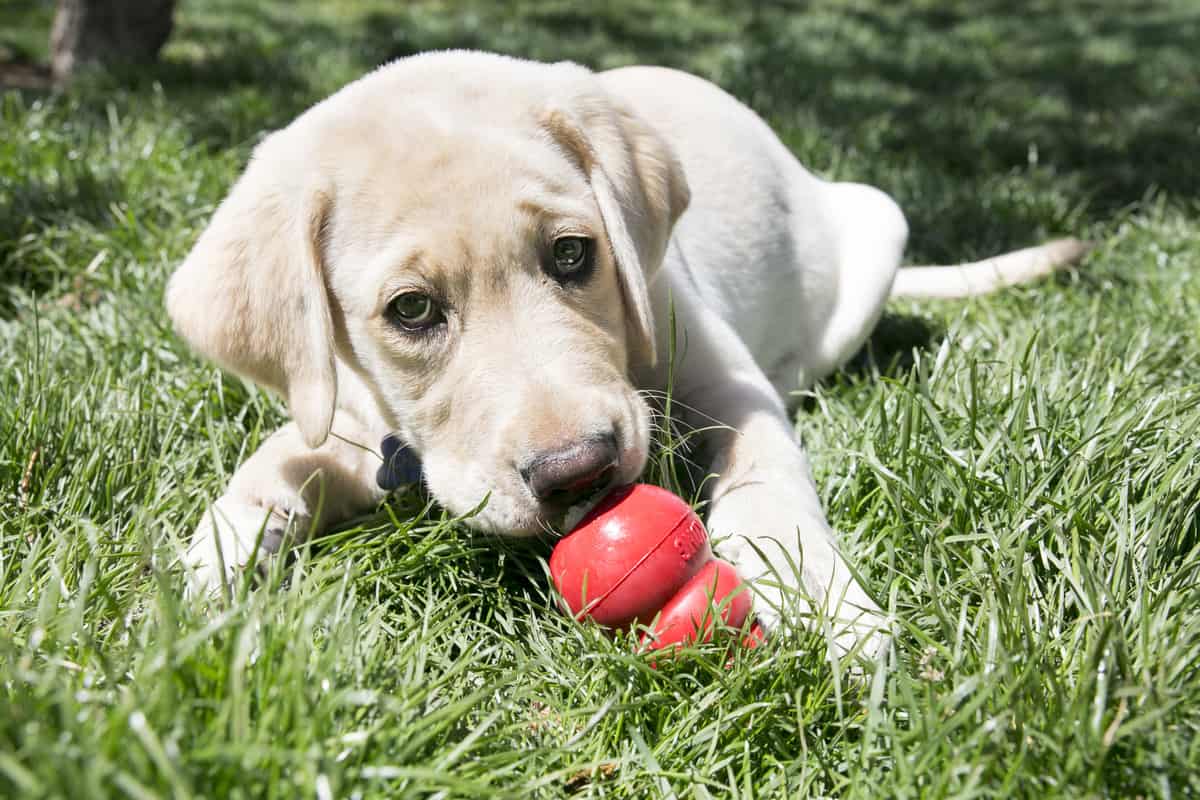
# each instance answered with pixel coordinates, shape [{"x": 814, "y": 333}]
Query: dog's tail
[{"x": 981, "y": 277}]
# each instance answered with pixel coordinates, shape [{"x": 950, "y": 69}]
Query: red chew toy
[
  {"x": 625, "y": 559},
  {"x": 643, "y": 551},
  {"x": 690, "y": 613}
]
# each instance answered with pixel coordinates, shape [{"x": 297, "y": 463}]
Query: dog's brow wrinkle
[
  {"x": 414, "y": 262},
  {"x": 556, "y": 205},
  {"x": 531, "y": 207},
  {"x": 544, "y": 206}
]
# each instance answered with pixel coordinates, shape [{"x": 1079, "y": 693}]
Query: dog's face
[
  {"x": 473, "y": 237},
  {"x": 485, "y": 312}
]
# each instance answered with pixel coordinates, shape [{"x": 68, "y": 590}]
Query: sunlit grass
[{"x": 1021, "y": 491}]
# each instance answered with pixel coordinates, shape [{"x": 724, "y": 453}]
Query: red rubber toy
[
  {"x": 643, "y": 552},
  {"x": 690, "y": 614}
]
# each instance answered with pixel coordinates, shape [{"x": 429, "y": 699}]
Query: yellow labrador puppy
[{"x": 479, "y": 254}]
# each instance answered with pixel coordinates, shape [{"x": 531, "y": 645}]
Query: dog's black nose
[{"x": 563, "y": 477}]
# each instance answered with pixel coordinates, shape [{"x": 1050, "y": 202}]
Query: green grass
[{"x": 1018, "y": 478}]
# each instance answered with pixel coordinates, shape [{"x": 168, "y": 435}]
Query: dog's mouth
[
  {"x": 555, "y": 523},
  {"x": 559, "y": 523},
  {"x": 575, "y": 513},
  {"x": 518, "y": 513}
]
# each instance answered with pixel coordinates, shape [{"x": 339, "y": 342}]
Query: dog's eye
[
  {"x": 415, "y": 311},
  {"x": 572, "y": 256}
]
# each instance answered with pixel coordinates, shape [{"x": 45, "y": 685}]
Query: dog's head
[{"x": 473, "y": 236}]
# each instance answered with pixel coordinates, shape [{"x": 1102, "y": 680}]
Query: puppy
[{"x": 481, "y": 255}]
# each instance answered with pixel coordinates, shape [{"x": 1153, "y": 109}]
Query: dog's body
[{"x": 465, "y": 186}]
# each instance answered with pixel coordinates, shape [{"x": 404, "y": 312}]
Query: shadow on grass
[
  {"x": 1089, "y": 107},
  {"x": 892, "y": 347},
  {"x": 79, "y": 195},
  {"x": 890, "y": 352},
  {"x": 1090, "y": 101},
  {"x": 453, "y": 561},
  {"x": 994, "y": 124}
]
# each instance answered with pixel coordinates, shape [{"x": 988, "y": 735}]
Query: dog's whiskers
[{"x": 661, "y": 396}]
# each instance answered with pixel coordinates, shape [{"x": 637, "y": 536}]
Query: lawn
[{"x": 1017, "y": 477}]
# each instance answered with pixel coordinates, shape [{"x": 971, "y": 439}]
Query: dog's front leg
[
  {"x": 283, "y": 493},
  {"x": 764, "y": 497}
]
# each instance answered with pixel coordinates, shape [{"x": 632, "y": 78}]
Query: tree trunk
[{"x": 108, "y": 32}]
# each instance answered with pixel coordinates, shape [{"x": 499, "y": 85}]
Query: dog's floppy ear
[
  {"x": 251, "y": 295},
  {"x": 639, "y": 186}
]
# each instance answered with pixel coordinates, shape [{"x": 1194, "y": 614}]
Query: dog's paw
[
  {"x": 781, "y": 543},
  {"x": 864, "y": 633},
  {"x": 852, "y": 631},
  {"x": 224, "y": 544}
]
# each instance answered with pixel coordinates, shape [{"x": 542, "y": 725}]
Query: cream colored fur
[{"x": 450, "y": 174}]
